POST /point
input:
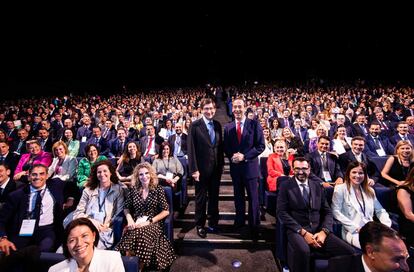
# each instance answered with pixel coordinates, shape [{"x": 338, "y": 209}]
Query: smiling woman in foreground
[{"x": 80, "y": 239}]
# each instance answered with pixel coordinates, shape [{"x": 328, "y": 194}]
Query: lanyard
[
  {"x": 167, "y": 168},
  {"x": 101, "y": 204},
  {"x": 363, "y": 202}
]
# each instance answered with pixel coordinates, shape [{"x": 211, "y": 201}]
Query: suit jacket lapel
[{"x": 204, "y": 131}]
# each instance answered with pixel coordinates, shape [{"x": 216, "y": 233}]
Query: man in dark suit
[
  {"x": 40, "y": 207},
  {"x": 325, "y": 165},
  {"x": 397, "y": 115},
  {"x": 19, "y": 146},
  {"x": 359, "y": 128},
  {"x": 11, "y": 131},
  {"x": 108, "y": 132},
  {"x": 150, "y": 144},
  {"x": 117, "y": 145},
  {"x": 178, "y": 142},
  {"x": 99, "y": 141},
  {"x": 45, "y": 140},
  {"x": 387, "y": 129},
  {"x": 205, "y": 162},
  {"x": 7, "y": 157},
  {"x": 286, "y": 120},
  {"x": 57, "y": 124},
  {"x": 85, "y": 131},
  {"x": 340, "y": 121},
  {"x": 402, "y": 134},
  {"x": 375, "y": 145},
  {"x": 382, "y": 250},
  {"x": 243, "y": 143},
  {"x": 6, "y": 184},
  {"x": 304, "y": 210},
  {"x": 356, "y": 154}
]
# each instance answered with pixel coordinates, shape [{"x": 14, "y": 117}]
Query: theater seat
[
  {"x": 388, "y": 199},
  {"x": 168, "y": 223},
  {"x": 131, "y": 264}
]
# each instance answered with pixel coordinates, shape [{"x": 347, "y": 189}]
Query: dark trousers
[
  {"x": 44, "y": 237},
  {"x": 24, "y": 259},
  {"x": 240, "y": 184},
  {"x": 207, "y": 188},
  {"x": 299, "y": 252}
]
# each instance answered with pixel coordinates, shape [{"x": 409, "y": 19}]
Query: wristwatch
[
  {"x": 326, "y": 231},
  {"x": 3, "y": 237}
]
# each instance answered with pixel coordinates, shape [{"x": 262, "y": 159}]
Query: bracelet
[{"x": 2, "y": 238}]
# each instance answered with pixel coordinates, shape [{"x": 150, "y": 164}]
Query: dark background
[{"x": 81, "y": 50}]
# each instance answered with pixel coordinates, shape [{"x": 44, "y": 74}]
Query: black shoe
[{"x": 201, "y": 232}]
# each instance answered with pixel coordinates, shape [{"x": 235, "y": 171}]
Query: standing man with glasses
[
  {"x": 303, "y": 209},
  {"x": 205, "y": 162},
  {"x": 243, "y": 143}
]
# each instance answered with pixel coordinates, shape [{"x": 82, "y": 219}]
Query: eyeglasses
[{"x": 301, "y": 169}]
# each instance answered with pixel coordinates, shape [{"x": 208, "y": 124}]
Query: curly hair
[
  {"x": 153, "y": 176},
  {"x": 93, "y": 181}
]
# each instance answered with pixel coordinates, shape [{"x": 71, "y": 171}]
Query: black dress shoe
[
  {"x": 201, "y": 232},
  {"x": 213, "y": 229}
]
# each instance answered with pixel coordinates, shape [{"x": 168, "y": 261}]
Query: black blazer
[
  {"x": 15, "y": 209},
  {"x": 316, "y": 165},
  {"x": 346, "y": 263},
  {"x": 370, "y": 149},
  {"x": 296, "y": 214},
  {"x": 346, "y": 158},
  {"x": 12, "y": 160},
  {"x": 203, "y": 156},
  {"x": 10, "y": 187},
  {"x": 171, "y": 141}
]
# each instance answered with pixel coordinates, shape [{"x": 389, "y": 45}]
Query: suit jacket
[
  {"x": 346, "y": 158},
  {"x": 303, "y": 134},
  {"x": 282, "y": 122},
  {"x": 102, "y": 260},
  {"x": 334, "y": 127},
  {"x": 102, "y": 145},
  {"x": 357, "y": 130},
  {"x": 48, "y": 144},
  {"x": 346, "y": 209},
  {"x": 68, "y": 168},
  {"x": 11, "y": 160},
  {"x": 111, "y": 134},
  {"x": 346, "y": 263},
  {"x": 203, "y": 156},
  {"x": 396, "y": 138},
  {"x": 251, "y": 146},
  {"x": 84, "y": 132},
  {"x": 10, "y": 187},
  {"x": 15, "y": 146},
  {"x": 15, "y": 209},
  {"x": 171, "y": 141},
  {"x": 113, "y": 148},
  {"x": 296, "y": 214},
  {"x": 316, "y": 165},
  {"x": 371, "y": 150},
  {"x": 144, "y": 141}
]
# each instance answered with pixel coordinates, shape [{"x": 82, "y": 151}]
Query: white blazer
[
  {"x": 345, "y": 209},
  {"x": 339, "y": 147},
  {"x": 102, "y": 261},
  {"x": 68, "y": 168}
]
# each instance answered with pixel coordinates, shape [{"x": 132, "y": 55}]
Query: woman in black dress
[
  {"x": 146, "y": 208},
  {"x": 405, "y": 196},
  {"x": 396, "y": 168},
  {"x": 130, "y": 158}
]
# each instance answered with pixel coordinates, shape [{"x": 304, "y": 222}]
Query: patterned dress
[{"x": 149, "y": 243}]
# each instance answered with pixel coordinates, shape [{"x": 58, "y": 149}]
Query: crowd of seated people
[{"x": 332, "y": 126}]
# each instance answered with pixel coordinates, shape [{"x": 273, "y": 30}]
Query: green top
[{"x": 84, "y": 170}]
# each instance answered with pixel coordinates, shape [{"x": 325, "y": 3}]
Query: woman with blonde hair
[
  {"x": 279, "y": 164},
  {"x": 396, "y": 168},
  {"x": 145, "y": 209},
  {"x": 63, "y": 166}
]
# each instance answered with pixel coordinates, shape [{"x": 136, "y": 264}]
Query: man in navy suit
[
  {"x": 360, "y": 128},
  {"x": 382, "y": 250},
  {"x": 85, "y": 131},
  {"x": 325, "y": 165},
  {"x": 402, "y": 134},
  {"x": 375, "y": 145},
  {"x": 243, "y": 143},
  {"x": 286, "y": 120},
  {"x": 117, "y": 145},
  {"x": 303, "y": 209},
  {"x": 205, "y": 164},
  {"x": 41, "y": 202},
  {"x": 98, "y": 140},
  {"x": 6, "y": 184},
  {"x": 7, "y": 157}
]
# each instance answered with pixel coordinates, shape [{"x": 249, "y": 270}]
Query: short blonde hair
[{"x": 57, "y": 144}]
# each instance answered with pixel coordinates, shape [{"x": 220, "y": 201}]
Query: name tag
[
  {"x": 141, "y": 219},
  {"x": 381, "y": 152},
  {"x": 83, "y": 139},
  {"x": 169, "y": 175},
  {"x": 327, "y": 176},
  {"x": 27, "y": 228},
  {"x": 99, "y": 216}
]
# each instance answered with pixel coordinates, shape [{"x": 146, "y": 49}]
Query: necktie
[
  {"x": 404, "y": 138},
  {"x": 37, "y": 205},
  {"x": 121, "y": 147},
  {"x": 324, "y": 164},
  {"x": 286, "y": 122},
  {"x": 105, "y": 133},
  {"x": 299, "y": 134},
  {"x": 177, "y": 148},
  {"x": 19, "y": 146},
  {"x": 211, "y": 131},
  {"x": 149, "y": 146},
  {"x": 377, "y": 143},
  {"x": 96, "y": 141},
  {"x": 1, "y": 191},
  {"x": 305, "y": 193},
  {"x": 383, "y": 125},
  {"x": 1, "y": 159},
  {"x": 238, "y": 130}
]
